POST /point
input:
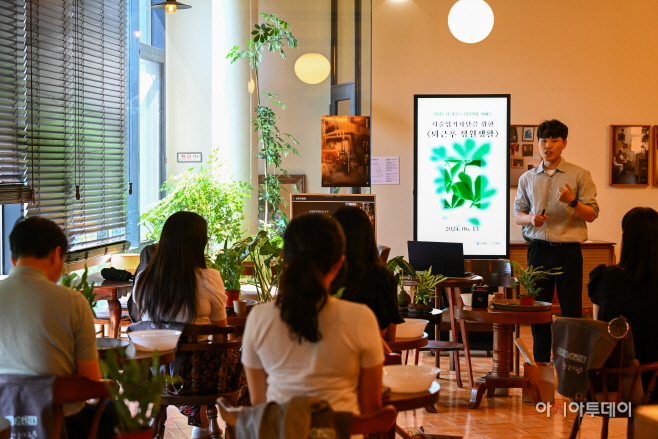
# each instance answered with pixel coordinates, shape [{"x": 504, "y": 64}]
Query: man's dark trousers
[{"x": 569, "y": 284}]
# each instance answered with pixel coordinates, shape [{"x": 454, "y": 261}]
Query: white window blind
[
  {"x": 13, "y": 103},
  {"x": 77, "y": 118}
]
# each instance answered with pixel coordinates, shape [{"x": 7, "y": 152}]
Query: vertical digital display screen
[{"x": 461, "y": 181}]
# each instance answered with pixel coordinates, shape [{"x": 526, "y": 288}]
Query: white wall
[{"x": 563, "y": 59}]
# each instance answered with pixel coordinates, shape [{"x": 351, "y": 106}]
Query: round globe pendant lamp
[
  {"x": 312, "y": 68},
  {"x": 171, "y": 6},
  {"x": 471, "y": 21}
]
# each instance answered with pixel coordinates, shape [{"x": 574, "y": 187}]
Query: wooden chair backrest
[
  {"x": 494, "y": 272},
  {"x": 379, "y": 422},
  {"x": 68, "y": 389}
]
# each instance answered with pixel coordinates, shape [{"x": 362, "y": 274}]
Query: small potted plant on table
[
  {"x": 425, "y": 290},
  {"x": 528, "y": 278}
]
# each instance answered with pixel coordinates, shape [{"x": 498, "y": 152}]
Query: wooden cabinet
[{"x": 594, "y": 254}]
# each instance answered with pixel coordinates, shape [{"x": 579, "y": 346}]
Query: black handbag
[{"x": 114, "y": 274}]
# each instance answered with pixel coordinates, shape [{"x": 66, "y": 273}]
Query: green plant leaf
[{"x": 463, "y": 190}]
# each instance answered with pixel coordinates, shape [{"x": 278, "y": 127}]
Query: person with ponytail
[
  {"x": 177, "y": 287},
  {"x": 307, "y": 342},
  {"x": 630, "y": 288},
  {"x": 363, "y": 277}
]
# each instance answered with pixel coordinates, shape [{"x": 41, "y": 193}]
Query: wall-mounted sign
[{"x": 187, "y": 157}]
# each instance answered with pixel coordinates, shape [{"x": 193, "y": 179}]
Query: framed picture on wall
[
  {"x": 292, "y": 184},
  {"x": 630, "y": 155},
  {"x": 527, "y": 152},
  {"x": 513, "y": 137}
]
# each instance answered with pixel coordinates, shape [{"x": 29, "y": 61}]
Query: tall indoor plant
[{"x": 272, "y": 35}]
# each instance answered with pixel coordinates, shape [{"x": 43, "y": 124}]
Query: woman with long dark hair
[
  {"x": 630, "y": 288},
  {"x": 307, "y": 342},
  {"x": 364, "y": 278},
  {"x": 177, "y": 287}
]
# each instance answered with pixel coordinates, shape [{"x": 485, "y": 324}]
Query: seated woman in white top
[
  {"x": 176, "y": 286},
  {"x": 306, "y": 342}
]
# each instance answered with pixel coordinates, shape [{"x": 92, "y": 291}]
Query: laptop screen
[{"x": 446, "y": 258}]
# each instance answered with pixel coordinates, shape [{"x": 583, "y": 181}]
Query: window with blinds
[
  {"x": 76, "y": 138},
  {"x": 13, "y": 103}
]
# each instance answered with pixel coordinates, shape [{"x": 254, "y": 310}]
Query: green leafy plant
[
  {"x": 399, "y": 267},
  {"x": 136, "y": 386},
  {"x": 82, "y": 286},
  {"x": 229, "y": 263},
  {"x": 425, "y": 284},
  {"x": 529, "y": 277},
  {"x": 215, "y": 197},
  {"x": 272, "y": 35},
  {"x": 265, "y": 255},
  {"x": 460, "y": 184}
]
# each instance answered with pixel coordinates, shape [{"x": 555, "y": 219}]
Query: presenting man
[
  {"x": 46, "y": 328},
  {"x": 554, "y": 202}
]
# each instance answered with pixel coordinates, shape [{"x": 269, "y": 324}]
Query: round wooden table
[
  {"x": 411, "y": 401},
  {"x": 502, "y": 348},
  {"x": 110, "y": 290},
  {"x": 404, "y": 344}
]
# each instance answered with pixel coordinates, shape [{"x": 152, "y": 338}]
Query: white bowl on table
[
  {"x": 155, "y": 339},
  {"x": 411, "y": 328},
  {"x": 409, "y": 379},
  {"x": 467, "y": 299}
]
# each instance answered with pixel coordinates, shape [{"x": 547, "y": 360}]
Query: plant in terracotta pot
[
  {"x": 528, "y": 278},
  {"x": 137, "y": 389},
  {"x": 399, "y": 267},
  {"x": 425, "y": 290},
  {"x": 229, "y": 264}
]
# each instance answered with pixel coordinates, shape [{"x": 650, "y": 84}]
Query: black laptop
[{"x": 446, "y": 258}]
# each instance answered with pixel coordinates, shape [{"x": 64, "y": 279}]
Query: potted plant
[
  {"x": 136, "y": 385},
  {"x": 528, "y": 278},
  {"x": 82, "y": 286},
  {"x": 425, "y": 290},
  {"x": 399, "y": 267},
  {"x": 265, "y": 255},
  {"x": 229, "y": 264}
]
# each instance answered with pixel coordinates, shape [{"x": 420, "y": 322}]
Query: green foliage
[
  {"x": 425, "y": 286},
  {"x": 82, "y": 286},
  {"x": 229, "y": 263},
  {"x": 137, "y": 386},
  {"x": 529, "y": 277},
  {"x": 272, "y": 35},
  {"x": 265, "y": 256},
  {"x": 217, "y": 198},
  {"x": 399, "y": 267}
]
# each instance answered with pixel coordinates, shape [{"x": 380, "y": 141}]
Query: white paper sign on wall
[
  {"x": 385, "y": 170},
  {"x": 189, "y": 157}
]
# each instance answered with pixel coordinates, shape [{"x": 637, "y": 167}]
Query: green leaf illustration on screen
[{"x": 460, "y": 177}]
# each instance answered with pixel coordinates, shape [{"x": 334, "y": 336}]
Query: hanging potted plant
[
  {"x": 137, "y": 385},
  {"x": 528, "y": 278},
  {"x": 229, "y": 264},
  {"x": 425, "y": 290}
]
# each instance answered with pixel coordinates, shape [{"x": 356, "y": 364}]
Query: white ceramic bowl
[
  {"x": 411, "y": 328},
  {"x": 467, "y": 299},
  {"x": 409, "y": 379},
  {"x": 155, "y": 339}
]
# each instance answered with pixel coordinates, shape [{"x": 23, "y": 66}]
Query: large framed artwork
[
  {"x": 345, "y": 151},
  {"x": 630, "y": 155}
]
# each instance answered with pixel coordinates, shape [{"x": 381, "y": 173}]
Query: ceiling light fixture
[
  {"x": 171, "y": 6},
  {"x": 471, "y": 21}
]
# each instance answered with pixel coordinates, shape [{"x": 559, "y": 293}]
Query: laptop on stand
[{"x": 446, "y": 258}]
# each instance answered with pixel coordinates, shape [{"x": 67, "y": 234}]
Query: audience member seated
[
  {"x": 47, "y": 329},
  {"x": 307, "y": 342},
  {"x": 363, "y": 276},
  {"x": 630, "y": 289},
  {"x": 176, "y": 286}
]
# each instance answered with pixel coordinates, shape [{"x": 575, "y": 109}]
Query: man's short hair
[
  {"x": 36, "y": 237},
  {"x": 552, "y": 128}
]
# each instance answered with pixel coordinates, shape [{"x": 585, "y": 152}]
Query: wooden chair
[
  {"x": 102, "y": 319},
  {"x": 75, "y": 388},
  {"x": 379, "y": 422},
  {"x": 194, "y": 339}
]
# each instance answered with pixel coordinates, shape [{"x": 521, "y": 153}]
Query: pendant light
[
  {"x": 471, "y": 21},
  {"x": 171, "y": 6}
]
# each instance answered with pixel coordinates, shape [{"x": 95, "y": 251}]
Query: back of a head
[
  {"x": 36, "y": 237},
  {"x": 361, "y": 246},
  {"x": 168, "y": 283},
  {"x": 552, "y": 128},
  {"x": 639, "y": 251},
  {"x": 313, "y": 244}
]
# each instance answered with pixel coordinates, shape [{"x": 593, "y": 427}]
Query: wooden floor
[{"x": 501, "y": 417}]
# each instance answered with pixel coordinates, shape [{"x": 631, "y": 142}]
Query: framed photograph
[
  {"x": 513, "y": 137},
  {"x": 528, "y": 134},
  {"x": 527, "y": 150},
  {"x": 630, "y": 155},
  {"x": 513, "y": 147},
  {"x": 345, "y": 151},
  {"x": 517, "y": 163},
  {"x": 530, "y": 167},
  {"x": 516, "y": 148}
]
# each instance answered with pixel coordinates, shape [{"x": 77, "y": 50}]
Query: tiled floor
[{"x": 501, "y": 417}]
